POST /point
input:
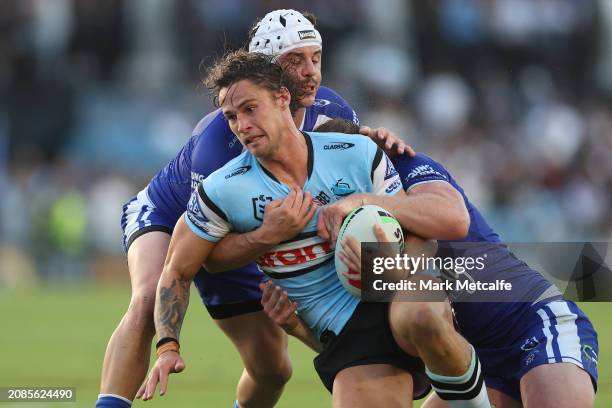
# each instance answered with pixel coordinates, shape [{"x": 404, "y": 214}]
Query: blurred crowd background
[{"x": 513, "y": 96}]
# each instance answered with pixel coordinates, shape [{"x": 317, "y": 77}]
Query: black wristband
[{"x": 165, "y": 340}]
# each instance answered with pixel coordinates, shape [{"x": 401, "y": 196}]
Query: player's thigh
[
  {"x": 146, "y": 256},
  {"x": 496, "y": 398},
  {"x": 261, "y": 343},
  {"x": 557, "y": 385},
  {"x": 375, "y": 385}
]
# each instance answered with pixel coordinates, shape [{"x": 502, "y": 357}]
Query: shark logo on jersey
[
  {"x": 341, "y": 189},
  {"x": 307, "y": 34},
  {"x": 195, "y": 214},
  {"x": 530, "y": 344},
  {"x": 338, "y": 146},
  {"x": 424, "y": 170},
  {"x": 238, "y": 171},
  {"x": 259, "y": 206},
  {"x": 390, "y": 172}
]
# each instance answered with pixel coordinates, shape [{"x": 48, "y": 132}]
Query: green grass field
[{"x": 57, "y": 337}]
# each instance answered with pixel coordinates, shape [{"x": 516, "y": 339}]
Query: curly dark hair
[{"x": 260, "y": 69}]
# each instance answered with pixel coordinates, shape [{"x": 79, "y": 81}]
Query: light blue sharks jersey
[{"x": 234, "y": 198}]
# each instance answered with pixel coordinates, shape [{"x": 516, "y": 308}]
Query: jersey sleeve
[
  {"x": 420, "y": 169},
  {"x": 385, "y": 179},
  {"x": 204, "y": 217}
]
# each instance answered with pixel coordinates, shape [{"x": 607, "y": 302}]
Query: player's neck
[
  {"x": 298, "y": 118},
  {"x": 289, "y": 163}
]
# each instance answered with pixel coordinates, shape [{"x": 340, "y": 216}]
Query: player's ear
[{"x": 283, "y": 97}]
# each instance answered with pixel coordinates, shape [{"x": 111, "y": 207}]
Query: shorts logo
[
  {"x": 338, "y": 146},
  {"x": 341, "y": 189},
  {"x": 530, "y": 358},
  {"x": 238, "y": 171},
  {"x": 530, "y": 344},
  {"x": 589, "y": 354},
  {"x": 306, "y": 34},
  {"x": 259, "y": 206}
]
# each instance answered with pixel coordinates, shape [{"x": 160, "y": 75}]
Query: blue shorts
[
  {"x": 554, "y": 332},
  {"x": 226, "y": 294}
]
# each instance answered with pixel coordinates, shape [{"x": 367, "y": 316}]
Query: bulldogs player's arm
[{"x": 431, "y": 207}]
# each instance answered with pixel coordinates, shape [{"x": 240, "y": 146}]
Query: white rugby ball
[{"x": 360, "y": 224}]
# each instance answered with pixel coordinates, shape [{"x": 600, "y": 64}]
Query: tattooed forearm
[{"x": 170, "y": 308}]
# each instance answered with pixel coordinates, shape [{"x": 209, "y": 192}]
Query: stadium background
[{"x": 513, "y": 96}]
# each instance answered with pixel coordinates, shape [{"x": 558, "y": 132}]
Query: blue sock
[
  {"x": 236, "y": 404},
  {"x": 112, "y": 401}
]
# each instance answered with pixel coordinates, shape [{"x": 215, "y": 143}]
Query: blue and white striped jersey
[{"x": 234, "y": 199}]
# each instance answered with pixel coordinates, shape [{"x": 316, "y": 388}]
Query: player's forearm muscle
[
  {"x": 170, "y": 309},
  {"x": 236, "y": 250},
  {"x": 305, "y": 335},
  {"x": 433, "y": 211},
  {"x": 185, "y": 256}
]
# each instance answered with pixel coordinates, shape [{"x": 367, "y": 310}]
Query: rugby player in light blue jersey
[
  {"x": 232, "y": 299},
  {"x": 281, "y": 161},
  {"x": 539, "y": 351}
]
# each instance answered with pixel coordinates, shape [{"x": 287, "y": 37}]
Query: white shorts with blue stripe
[
  {"x": 140, "y": 215},
  {"x": 554, "y": 332}
]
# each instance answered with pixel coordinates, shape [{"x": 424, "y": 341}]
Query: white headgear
[{"x": 281, "y": 31}]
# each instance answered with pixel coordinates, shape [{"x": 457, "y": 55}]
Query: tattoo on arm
[{"x": 171, "y": 308}]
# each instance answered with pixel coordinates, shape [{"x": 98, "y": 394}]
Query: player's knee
[
  {"x": 139, "y": 315},
  {"x": 420, "y": 320},
  {"x": 274, "y": 372}
]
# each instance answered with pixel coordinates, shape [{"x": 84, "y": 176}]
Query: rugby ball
[{"x": 360, "y": 224}]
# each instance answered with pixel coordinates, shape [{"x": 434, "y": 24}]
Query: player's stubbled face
[
  {"x": 304, "y": 66},
  {"x": 253, "y": 116}
]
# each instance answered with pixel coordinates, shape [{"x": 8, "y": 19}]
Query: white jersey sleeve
[
  {"x": 204, "y": 218},
  {"x": 385, "y": 179}
]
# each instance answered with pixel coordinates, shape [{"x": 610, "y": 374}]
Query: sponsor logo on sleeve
[
  {"x": 393, "y": 186},
  {"x": 196, "y": 178},
  {"x": 238, "y": 171},
  {"x": 259, "y": 206},
  {"x": 424, "y": 170},
  {"x": 195, "y": 213},
  {"x": 390, "y": 172},
  {"x": 338, "y": 146}
]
